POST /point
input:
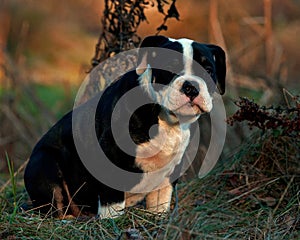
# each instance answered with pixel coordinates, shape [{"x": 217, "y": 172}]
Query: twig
[
  {"x": 71, "y": 200},
  {"x": 269, "y": 35},
  {"x": 7, "y": 140},
  {"x": 217, "y": 34},
  {"x": 17, "y": 124},
  {"x": 283, "y": 194},
  {"x": 287, "y": 93},
  {"x": 252, "y": 190}
]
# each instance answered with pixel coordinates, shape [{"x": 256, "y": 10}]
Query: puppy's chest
[{"x": 165, "y": 149}]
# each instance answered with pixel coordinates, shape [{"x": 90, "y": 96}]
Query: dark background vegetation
[{"x": 46, "y": 50}]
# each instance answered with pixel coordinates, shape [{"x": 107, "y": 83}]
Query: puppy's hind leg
[{"x": 43, "y": 182}]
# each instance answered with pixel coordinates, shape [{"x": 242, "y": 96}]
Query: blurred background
[{"x": 46, "y": 49}]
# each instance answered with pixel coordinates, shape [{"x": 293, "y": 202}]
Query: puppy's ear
[
  {"x": 148, "y": 42},
  {"x": 220, "y": 61}
]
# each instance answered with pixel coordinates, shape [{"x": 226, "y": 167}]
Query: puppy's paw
[
  {"x": 111, "y": 211},
  {"x": 161, "y": 208}
]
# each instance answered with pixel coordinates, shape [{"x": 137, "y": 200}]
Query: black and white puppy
[{"x": 55, "y": 177}]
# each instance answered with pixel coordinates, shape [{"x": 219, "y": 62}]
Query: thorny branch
[
  {"x": 120, "y": 21},
  {"x": 284, "y": 119}
]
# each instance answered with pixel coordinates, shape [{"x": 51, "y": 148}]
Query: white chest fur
[{"x": 158, "y": 157}]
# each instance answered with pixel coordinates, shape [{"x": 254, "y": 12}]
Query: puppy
[{"x": 176, "y": 93}]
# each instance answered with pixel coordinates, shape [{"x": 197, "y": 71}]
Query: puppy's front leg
[{"x": 159, "y": 200}]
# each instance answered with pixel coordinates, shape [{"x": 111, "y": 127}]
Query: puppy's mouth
[
  {"x": 192, "y": 108},
  {"x": 187, "y": 110},
  {"x": 195, "y": 106}
]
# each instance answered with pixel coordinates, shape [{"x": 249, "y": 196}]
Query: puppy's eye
[{"x": 209, "y": 70}]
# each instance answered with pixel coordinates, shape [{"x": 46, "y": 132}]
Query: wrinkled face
[{"x": 181, "y": 75}]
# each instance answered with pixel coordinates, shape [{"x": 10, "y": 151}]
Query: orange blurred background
[{"x": 54, "y": 40}]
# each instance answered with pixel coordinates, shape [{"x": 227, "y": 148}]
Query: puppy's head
[{"x": 181, "y": 75}]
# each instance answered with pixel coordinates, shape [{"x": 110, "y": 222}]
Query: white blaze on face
[{"x": 187, "y": 55}]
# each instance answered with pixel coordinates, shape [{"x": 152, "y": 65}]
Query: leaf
[
  {"x": 173, "y": 12},
  {"x": 162, "y": 27}
]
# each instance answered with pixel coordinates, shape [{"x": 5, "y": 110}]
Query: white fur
[
  {"x": 112, "y": 211},
  {"x": 187, "y": 55},
  {"x": 145, "y": 83}
]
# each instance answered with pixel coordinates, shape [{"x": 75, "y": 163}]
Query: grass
[
  {"x": 213, "y": 219},
  {"x": 30, "y": 98},
  {"x": 13, "y": 187},
  {"x": 221, "y": 206},
  {"x": 56, "y": 98},
  {"x": 26, "y": 112}
]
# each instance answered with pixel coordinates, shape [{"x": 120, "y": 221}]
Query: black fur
[{"x": 54, "y": 159}]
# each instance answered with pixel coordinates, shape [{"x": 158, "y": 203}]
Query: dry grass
[{"x": 257, "y": 197}]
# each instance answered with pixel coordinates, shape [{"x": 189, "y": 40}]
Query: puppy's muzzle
[
  {"x": 190, "y": 89},
  {"x": 196, "y": 91}
]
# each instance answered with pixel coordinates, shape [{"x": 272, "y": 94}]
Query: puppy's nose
[{"x": 190, "y": 89}]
